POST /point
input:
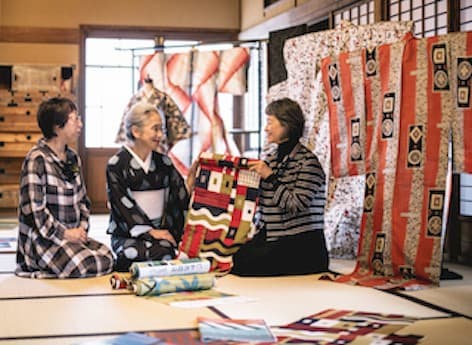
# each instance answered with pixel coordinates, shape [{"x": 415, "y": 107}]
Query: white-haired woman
[{"x": 146, "y": 194}]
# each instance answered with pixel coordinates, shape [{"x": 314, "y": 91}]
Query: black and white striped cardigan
[{"x": 293, "y": 198}]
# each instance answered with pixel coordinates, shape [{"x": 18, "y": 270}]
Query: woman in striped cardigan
[{"x": 291, "y": 238}]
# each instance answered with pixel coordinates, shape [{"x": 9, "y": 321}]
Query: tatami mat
[
  {"x": 91, "y": 315},
  {"x": 7, "y": 262},
  {"x": 72, "y": 311},
  {"x": 453, "y": 331},
  {"x": 281, "y": 300},
  {"x": 456, "y": 298},
  {"x": 13, "y": 287},
  {"x": 55, "y": 341}
]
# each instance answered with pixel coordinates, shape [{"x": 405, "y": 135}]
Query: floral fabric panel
[
  {"x": 303, "y": 56},
  {"x": 221, "y": 212}
]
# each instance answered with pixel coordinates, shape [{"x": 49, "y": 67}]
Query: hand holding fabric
[{"x": 261, "y": 168}]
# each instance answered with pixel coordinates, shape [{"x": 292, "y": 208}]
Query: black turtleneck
[{"x": 285, "y": 148}]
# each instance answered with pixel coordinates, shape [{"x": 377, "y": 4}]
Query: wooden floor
[{"x": 72, "y": 311}]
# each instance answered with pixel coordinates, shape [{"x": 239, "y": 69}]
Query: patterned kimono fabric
[
  {"x": 53, "y": 198},
  {"x": 303, "y": 55},
  {"x": 461, "y": 85},
  {"x": 129, "y": 221},
  {"x": 404, "y": 153},
  {"x": 221, "y": 212},
  {"x": 194, "y": 79}
]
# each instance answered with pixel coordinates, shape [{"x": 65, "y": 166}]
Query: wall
[
  {"x": 170, "y": 13},
  {"x": 257, "y": 23},
  {"x": 27, "y": 27}
]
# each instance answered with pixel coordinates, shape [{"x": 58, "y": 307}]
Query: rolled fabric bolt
[
  {"x": 155, "y": 286},
  {"x": 162, "y": 268},
  {"x": 120, "y": 281}
]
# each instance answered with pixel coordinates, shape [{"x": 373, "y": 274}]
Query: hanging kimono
[
  {"x": 194, "y": 79},
  {"x": 303, "y": 55},
  {"x": 221, "y": 212},
  {"x": 176, "y": 125},
  {"x": 409, "y": 97}
]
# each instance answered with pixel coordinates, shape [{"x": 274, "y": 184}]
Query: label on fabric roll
[
  {"x": 163, "y": 268},
  {"x": 155, "y": 286}
]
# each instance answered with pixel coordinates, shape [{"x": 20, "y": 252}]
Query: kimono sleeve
[{"x": 33, "y": 200}]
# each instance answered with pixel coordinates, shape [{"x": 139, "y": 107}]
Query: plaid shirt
[{"x": 53, "y": 199}]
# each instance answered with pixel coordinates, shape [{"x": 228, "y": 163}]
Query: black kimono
[{"x": 129, "y": 223}]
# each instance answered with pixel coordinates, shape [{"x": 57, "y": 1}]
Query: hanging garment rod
[{"x": 161, "y": 47}]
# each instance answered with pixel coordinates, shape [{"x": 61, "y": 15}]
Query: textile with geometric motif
[{"x": 221, "y": 211}]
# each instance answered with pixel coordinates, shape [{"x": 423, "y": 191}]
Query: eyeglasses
[{"x": 75, "y": 117}]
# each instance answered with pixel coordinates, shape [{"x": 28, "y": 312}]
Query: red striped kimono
[{"x": 411, "y": 101}]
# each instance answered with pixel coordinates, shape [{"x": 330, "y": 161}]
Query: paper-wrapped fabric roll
[
  {"x": 155, "y": 286},
  {"x": 162, "y": 268}
]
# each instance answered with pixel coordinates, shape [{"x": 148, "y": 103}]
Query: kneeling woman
[
  {"x": 54, "y": 208},
  {"x": 291, "y": 238},
  {"x": 146, "y": 194}
]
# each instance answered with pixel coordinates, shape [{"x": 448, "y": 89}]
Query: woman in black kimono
[{"x": 146, "y": 194}]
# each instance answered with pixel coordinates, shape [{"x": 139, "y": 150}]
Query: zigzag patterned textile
[
  {"x": 414, "y": 94},
  {"x": 221, "y": 212}
]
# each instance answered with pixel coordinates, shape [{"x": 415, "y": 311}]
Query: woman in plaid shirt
[
  {"x": 291, "y": 238},
  {"x": 54, "y": 208}
]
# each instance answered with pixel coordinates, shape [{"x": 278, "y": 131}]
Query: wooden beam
[
  {"x": 305, "y": 13},
  {"x": 21, "y": 34}
]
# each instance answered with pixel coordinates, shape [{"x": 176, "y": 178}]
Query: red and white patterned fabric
[
  {"x": 206, "y": 73},
  {"x": 221, "y": 211},
  {"x": 303, "y": 56},
  {"x": 411, "y": 92}
]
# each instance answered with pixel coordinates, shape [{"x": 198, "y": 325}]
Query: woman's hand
[
  {"x": 76, "y": 235},
  {"x": 161, "y": 234},
  {"x": 261, "y": 168},
  {"x": 192, "y": 175}
]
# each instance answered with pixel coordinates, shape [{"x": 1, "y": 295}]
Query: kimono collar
[{"x": 146, "y": 164}]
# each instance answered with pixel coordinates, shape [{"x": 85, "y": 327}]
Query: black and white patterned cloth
[
  {"x": 53, "y": 199},
  {"x": 129, "y": 223}
]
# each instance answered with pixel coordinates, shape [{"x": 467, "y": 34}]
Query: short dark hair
[
  {"x": 290, "y": 115},
  {"x": 54, "y": 112}
]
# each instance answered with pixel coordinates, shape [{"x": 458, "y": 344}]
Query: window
[
  {"x": 112, "y": 77},
  {"x": 428, "y": 16},
  {"x": 465, "y": 192},
  {"x": 360, "y": 14},
  {"x": 465, "y": 15}
]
